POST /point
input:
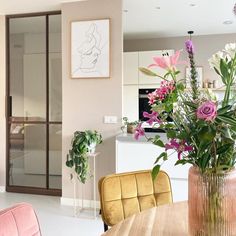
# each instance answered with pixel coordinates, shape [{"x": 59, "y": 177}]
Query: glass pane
[
  {"x": 28, "y": 67},
  {"x": 27, "y": 155},
  {"x": 55, "y": 156},
  {"x": 55, "y": 69}
]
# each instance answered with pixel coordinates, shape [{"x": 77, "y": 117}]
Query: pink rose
[{"x": 207, "y": 111}]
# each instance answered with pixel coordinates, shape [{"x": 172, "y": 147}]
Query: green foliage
[
  {"x": 155, "y": 171},
  {"x": 147, "y": 72},
  {"x": 163, "y": 156},
  {"x": 127, "y": 122},
  {"x": 157, "y": 141},
  {"x": 78, "y": 154},
  {"x": 212, "y": 140}
]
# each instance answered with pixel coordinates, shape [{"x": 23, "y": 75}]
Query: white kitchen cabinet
[
  {"x": 145, "y": 59},
  {"x": 130, "y": 102},
  {"x": 132, "y": 155},
  {"x": 130, "y": 66}
]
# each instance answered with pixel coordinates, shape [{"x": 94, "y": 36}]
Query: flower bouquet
[{"x": 203, "y": 133}]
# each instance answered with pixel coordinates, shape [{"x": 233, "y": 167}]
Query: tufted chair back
[
  {"x": 19, "y": 220},
  {"x": 122, "y": 195}
]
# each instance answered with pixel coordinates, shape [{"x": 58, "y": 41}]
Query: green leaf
[
  {"x": 78, "y": 169},
  {"x": 191, "y": 104},
  {"x": 217, "y": 72},
  {"x": 223, "y": 149},
  {"x": 180, "y": 86},
  {"x": 204, "y": 160},
  {"x": 162, "y": 155},
  {"x": 158, "y": 142},
  {"x": 181, "y": 162},
  {"x": 228, "y": 120},
  {"x": 223, "y": 110},
  {"x": 70, "y": 163},
  {"x": 147, "y": 71},
  {"x": 171, "y": 134},
  {"x": 207, "y": 134},
  {"x": 155, "y": 171},
  {"x": 224, "y": 69},
  {"x": 169, "y": 126}
]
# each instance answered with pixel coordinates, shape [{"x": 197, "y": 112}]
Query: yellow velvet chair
[{"x": 122, "y": 195}]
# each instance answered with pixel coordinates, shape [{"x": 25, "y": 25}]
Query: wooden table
[{"x": 165, "y": 220}]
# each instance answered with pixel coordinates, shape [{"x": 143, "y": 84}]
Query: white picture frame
[
  {"x": 199, "y": 70},
  {"x": 90, "y": 49}
]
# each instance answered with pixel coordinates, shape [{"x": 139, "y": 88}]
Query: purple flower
[
  {"x": 139, "y": 131},
  {"x": 179, "y": 147},
  {"x": 189, "y": 46},
  {"x": 152, "y": 117},
  {"x": 207, "y": 111}
]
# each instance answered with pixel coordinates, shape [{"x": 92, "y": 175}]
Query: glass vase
[{"x": 212, "y": 203}]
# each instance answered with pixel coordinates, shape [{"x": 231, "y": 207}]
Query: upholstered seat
[
  {"x": 19, "y": 220},
  {"x": 122, "y": 195}
]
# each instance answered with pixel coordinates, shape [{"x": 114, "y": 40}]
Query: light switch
[{"x": 110, "y": 119}]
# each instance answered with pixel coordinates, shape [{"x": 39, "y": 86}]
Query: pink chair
[{"x": 19, "y": 220}]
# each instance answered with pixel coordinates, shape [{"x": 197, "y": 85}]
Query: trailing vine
[{"x": 77, "y": 157}]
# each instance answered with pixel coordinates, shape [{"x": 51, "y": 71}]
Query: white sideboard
[{"x": 133, "y": 155}]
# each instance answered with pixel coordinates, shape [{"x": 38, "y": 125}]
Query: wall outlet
[{"x": 110, "y": 119}]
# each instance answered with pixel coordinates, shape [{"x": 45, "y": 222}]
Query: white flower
[
  {"x": 230, "y": 49},
  {"x": 214, "y": 61}
]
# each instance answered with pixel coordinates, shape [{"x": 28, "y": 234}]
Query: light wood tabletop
[{"x": 165, "y": 220}]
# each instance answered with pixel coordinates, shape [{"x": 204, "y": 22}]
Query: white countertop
[{"x": 125, "y": 137}]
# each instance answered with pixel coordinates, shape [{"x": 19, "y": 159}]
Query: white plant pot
[{"x": 92, "y": 148}]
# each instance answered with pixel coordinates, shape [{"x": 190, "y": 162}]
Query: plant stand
[{"x": 80, "y": 205}]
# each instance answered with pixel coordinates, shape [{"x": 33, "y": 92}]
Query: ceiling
[
  {"x": 169, "y": 18},
  {"x": 26, "y": 6},
  {"x": 152, "y": 18}
]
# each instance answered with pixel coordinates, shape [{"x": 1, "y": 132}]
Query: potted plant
[
  {"x": 83, "y": 143},
  {"x": 203, "y": 133},
  {"x": 129, "y": 126}
]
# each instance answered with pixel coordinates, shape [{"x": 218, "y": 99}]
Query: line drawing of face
[{"x": 90, "y": 50}]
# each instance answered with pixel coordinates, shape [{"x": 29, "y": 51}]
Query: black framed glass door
[{"x": 34, "y": 103}]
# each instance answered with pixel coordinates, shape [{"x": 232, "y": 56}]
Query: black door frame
[{"x": 47, "y": 122}]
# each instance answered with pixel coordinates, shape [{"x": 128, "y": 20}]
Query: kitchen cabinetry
[
  {"x": 145, "y": 59},
  {"x": 130, "y": 102},
  {"x": 130, "y": 61},
  {"x": 133, "y": 155},
  {"x": 133, "y": 79}
]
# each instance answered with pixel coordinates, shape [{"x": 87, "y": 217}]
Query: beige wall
[
  {"x": 2, "y": 102},
  {"x": 205, "y": 46},
  {"x": 86, "y": 101}
]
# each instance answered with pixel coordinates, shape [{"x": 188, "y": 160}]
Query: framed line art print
[{"x": 90, "y": 49}]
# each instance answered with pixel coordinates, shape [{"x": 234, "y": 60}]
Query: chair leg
[{"x": 105, "y": 227}]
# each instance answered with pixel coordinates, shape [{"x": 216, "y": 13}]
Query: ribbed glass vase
[{"x": 212, "y": 203}]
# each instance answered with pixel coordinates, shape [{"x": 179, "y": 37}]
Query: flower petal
[
  {"x": 179, "y": 155},
  {"x": 174, "y": 59}
]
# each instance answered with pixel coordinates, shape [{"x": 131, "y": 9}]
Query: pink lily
[
  {"x": 179, "y": 147},
  {"x": 167, "y": 62},
  {"x": 152, "y": 117},
  {"x": 139, "y": 131}
]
